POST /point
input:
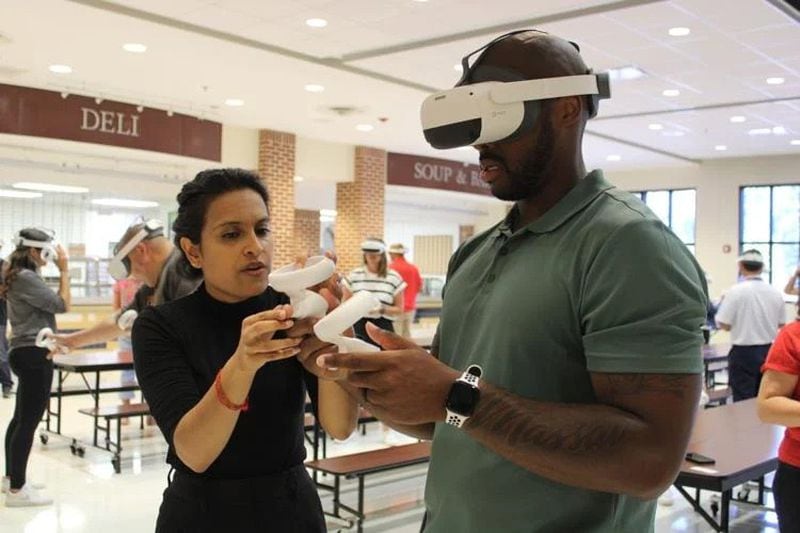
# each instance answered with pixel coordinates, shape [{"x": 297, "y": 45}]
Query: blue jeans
[{"x": 5, "y": 369}]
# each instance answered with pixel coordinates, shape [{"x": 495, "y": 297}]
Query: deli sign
[
  {"x": 433, "y": 173},
  {"x": 39, "y": 113}
]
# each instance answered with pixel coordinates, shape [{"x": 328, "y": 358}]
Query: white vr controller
[
  {"x": 125, "y": 320},
  {"x": 46, "y": 339},
  {"x": 330, "y": 328},
  {"x": 294, "y": 281}
]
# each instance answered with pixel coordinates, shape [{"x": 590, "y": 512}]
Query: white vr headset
[
  {"x": 47, "y": 248},
  {"x": 120, "y": 266},
  {"x": 482, "y": 112},
  {"x": 372, "y": 246},
  {"x": 492, "y": 111}
]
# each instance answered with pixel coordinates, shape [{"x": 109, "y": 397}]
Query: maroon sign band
[
  {"x": 433, "y": 173},
  {"x": 39, "y": 113}
]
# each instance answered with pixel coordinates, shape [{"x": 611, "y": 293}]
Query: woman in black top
[{"x": 225, "y": 371}]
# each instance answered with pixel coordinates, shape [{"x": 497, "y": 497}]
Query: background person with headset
[
  {"x": 145, "y": 254},
  {"x": 32, "y": 305}
]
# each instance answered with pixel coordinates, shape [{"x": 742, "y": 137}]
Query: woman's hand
[
  {"x": 256, "y": 345},
  {"x": 62, "y": 260}
]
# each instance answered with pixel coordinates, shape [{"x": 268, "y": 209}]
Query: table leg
[
  {"x": 360, "y": 504},
  {"x": 96, "y": 394},
  {"x": 724, "y": 512}
]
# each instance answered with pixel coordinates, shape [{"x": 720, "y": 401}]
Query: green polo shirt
[{"x": 597, "y": 284}]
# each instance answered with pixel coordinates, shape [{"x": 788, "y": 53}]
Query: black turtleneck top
[{"x": 178, "y": 349}]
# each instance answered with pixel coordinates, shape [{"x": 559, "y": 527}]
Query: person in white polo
[{"x": 752, "y": 310}]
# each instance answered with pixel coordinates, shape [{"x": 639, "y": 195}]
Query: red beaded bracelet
[{"x": 223, "y": 398}]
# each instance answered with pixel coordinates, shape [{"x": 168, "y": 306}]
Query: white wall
[
  {"x": 239, "y": 147},
  {"x": 717, "y": 183}
]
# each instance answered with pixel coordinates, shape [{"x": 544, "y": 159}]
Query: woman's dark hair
[
  {"x": 383, "y": 266},
  {"x": 20, "y": 259},
  {"x": 195, "y": 197}
]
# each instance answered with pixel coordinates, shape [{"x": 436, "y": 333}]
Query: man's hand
[
  {"x": 312, "y": 348},
  {"x": 406, "y": 384}
]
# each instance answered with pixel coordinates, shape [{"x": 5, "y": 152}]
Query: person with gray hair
[{"x": 752, "y": 311}]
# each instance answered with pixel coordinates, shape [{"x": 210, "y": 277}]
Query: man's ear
[
  {"x": 569, "y": 109},
  {"x": 192, "y": 252}
]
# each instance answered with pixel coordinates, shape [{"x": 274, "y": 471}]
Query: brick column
[
  {"x": 306, "y": 232},
  {"x": 276, "y": 168},
  {"x": 359, "y": 206}
]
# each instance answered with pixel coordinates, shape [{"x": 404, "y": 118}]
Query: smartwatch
[{"x": 463, "y": 397}]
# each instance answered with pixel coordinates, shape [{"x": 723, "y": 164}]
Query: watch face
[{"x": 462, "y": 398}]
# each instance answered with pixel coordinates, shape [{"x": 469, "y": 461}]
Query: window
[
  {"x": 676, "y": 208},
  {"x": 769, "y": 221}
]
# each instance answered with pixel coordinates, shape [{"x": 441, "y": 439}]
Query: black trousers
[
  {"x": 286, "y": 502},
  {"x": 35, "y": 378},
  {"x": 360, "y": 328},
  {"x": 786, "y": 488},
  {"x": 744, "y": 370}
]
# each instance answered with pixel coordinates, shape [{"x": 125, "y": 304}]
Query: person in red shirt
[
  {"x": 410, "y": 275},
  {"x": 779, "y": 403}
]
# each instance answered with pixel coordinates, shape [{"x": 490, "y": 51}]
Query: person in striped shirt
[{"x": 376, "y": 277}]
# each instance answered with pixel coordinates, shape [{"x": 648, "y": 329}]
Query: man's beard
[{"x": 527, "y": 181}]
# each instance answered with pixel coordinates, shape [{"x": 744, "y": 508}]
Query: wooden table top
[
  {"x": 733, "y": 435},
  {"x": 715, "y": 352},
  {"x": 90, "y": 361}
]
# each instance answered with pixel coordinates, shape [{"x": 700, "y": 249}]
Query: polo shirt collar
[{"x": 573, "y": 202}]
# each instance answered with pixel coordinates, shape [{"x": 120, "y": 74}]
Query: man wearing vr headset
[
  {"x": 145, "y": 253},
  {"x": 567, "y": 366}
]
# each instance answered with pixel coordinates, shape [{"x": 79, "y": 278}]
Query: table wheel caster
[
  {"x": 714, "y": 508},
  {"x": 44, "y": 438},
  {"x": 116, "y": 462}
]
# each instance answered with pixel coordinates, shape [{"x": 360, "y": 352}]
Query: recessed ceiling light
[
  {"x": 10, "y": 193},
  {"x": 365, "y": 127},
  {"x": 135, "y": 48},
  {"x": 234, "y": 102},
  {"x": 613, "y": 157},
  {"x": 49, "y": 187},
  {"x": 298, "y": 179},
  {"x": 671, "y": 92},
  {"x": 720, "y": 148},
  {"x": 123, "y": 202},
  {"x": 316, "y": 23},
  {"x": 795, "y": 142},
  {"x": 778, "y": 130},
  {"x": 760, "y": 131},
  {"x": 314, "y": 88},
  {"x": 655, "y": 127},
  {"x": 775, "y": 81},
  {"x": 628, "y": 72},
  {"x": 679, "y": 31},
  {"x": 60, "y": 69},
  {"x": 738, "y": 118}
]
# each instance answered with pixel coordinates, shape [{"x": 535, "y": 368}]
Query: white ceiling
[{"x": 201, "y": 52}]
